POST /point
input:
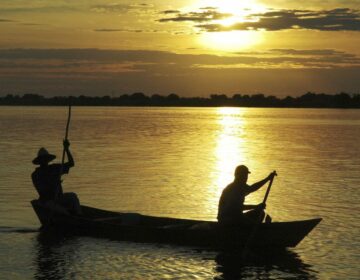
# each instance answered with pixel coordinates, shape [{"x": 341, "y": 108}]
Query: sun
[{"x": 232, "y": 40}]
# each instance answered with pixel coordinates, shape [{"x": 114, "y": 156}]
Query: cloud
[
  {"x": 120, "y": 8},
  {"x": 94, "y": 71},
  {"x": 40, "y": 9},
  {"x": 69, "y": 6},
  {"x": 33, "y": 24},
  {"x": 208, "y": 8},
  {"x": 276, "y": 58},
  {"x": 6, "y": 20},
  {"x": 321, "y": 4},
  {"x": 166, "y": 12},
  {"x": 322, "y": 52},
  {"x": 111, "y": 8},
  {"x": 342, "y": 19},
  {"x": 203, "y": 16},
  {"x": 109, "y": 30}
]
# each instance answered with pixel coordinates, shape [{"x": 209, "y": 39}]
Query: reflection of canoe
[
  {"x": 262, "y": 264},
  {"x": 141, "y": 228}
]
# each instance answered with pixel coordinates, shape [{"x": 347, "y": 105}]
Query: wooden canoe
[{"x": 141, "y": 228}]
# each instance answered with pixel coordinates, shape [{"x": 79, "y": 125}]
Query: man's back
[
  {"x": 47, "y": 180},
  {"x": 232, "y": 201}
]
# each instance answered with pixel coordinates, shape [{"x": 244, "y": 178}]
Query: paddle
[
  {"x": 258, "y": 222},
  {"x": 269, "y": 187}
]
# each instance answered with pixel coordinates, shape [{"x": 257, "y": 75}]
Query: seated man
[
  {"x": 47, "y": 180},
  {"x": 231, "y": 204}
]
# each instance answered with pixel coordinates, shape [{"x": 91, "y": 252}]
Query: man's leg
[
  {"x": 256, "y": 215},
  {"x": 71, "y": 202}
]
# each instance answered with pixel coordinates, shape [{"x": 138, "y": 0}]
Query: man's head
[
  {"x": 43, "y": 157},
  {"x": 241, "y": 173}
]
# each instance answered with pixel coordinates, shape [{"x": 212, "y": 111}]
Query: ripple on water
[{"x": 175, "y": 162}]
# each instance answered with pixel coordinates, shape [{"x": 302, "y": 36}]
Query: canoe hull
[{"x": 141, "y": 228}]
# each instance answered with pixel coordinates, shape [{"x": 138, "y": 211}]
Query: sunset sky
[{"x": 187, "y": 47}]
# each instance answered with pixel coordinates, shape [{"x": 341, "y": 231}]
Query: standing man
[
  {"x": 47, "y": 179},
  {"x": 231, "y": 204}
]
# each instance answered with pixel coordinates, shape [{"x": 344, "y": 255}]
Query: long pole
[{"x": 63, "y": 154}]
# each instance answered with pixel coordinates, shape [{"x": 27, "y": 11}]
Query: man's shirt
[
  {"x": 231, "y": 202},
  {"x": 47, "y": 180}
]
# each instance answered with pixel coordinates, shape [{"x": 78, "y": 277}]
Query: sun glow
[
  {"x": 239, "y": 11},
  {"x": 231, "y": 40}
]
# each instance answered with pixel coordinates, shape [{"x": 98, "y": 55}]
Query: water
[{"x": 175, "y": 162}]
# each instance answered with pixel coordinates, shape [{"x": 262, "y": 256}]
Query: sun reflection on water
[{"x": 230, "y": 150}]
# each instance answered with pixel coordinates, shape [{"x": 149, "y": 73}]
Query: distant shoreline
[{"x": 308, "y": 100}]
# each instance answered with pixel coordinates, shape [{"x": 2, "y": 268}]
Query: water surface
[{"x": 175, "y": 162}]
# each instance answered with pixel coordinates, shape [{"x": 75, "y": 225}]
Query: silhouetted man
[
  {"x": 231, "y": 204},
  {"x": 47, "y": 180}
]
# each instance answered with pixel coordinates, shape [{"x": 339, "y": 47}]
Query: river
[{"x": 175, "y": 162}]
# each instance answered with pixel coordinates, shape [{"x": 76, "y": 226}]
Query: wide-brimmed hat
[{"x": 43, "y": 156}]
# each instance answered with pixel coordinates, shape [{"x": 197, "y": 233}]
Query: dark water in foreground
[
  {"x": 175, "y": 162},
  {"x": 51, "y": 257}
]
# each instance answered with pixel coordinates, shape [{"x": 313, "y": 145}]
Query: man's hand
[
  {"x": 272, "y": 175},
  {"x": 66, "y": 144},
  {"x": 261, "y": 206}
]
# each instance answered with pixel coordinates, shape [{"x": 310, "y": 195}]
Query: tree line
[{"x": 308, "y": 100}]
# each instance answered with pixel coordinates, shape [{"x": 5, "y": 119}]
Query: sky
[{"x": 187, "y": 47}]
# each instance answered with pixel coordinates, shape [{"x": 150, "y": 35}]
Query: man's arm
[
  {"x": 249, "y": 207},
  {"x": 259, "y": 184}
]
